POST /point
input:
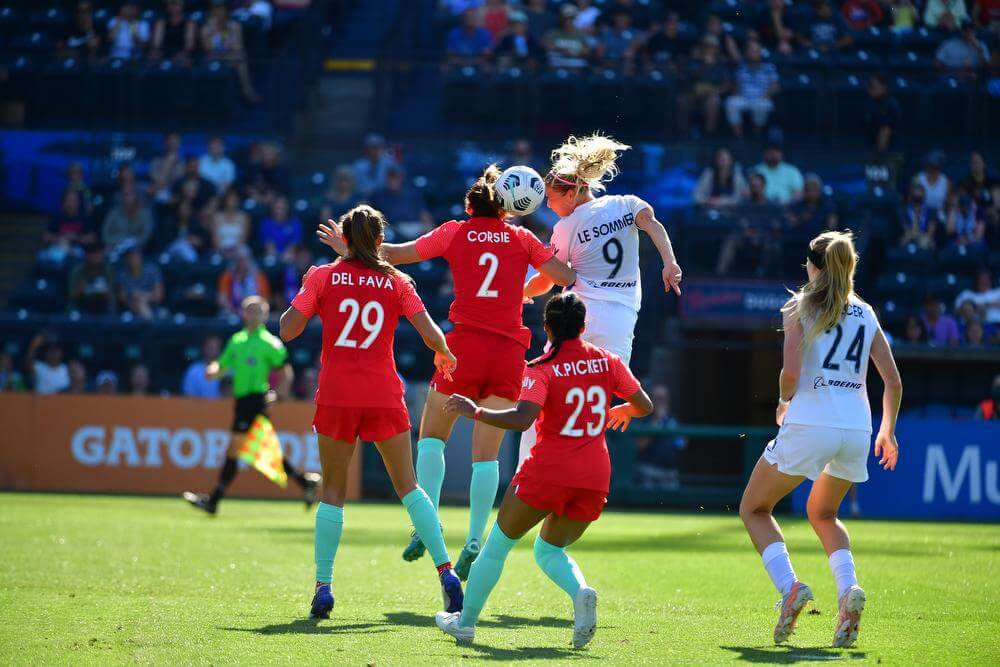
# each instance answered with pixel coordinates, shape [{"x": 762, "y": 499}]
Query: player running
[
  {"x": 489, "y": 259},
  {"x": 360, "y": 299},
  {"x": 251, "y": 354},
  {"x": 825, "y": 428},
  {"x": 564, "y": 482}
]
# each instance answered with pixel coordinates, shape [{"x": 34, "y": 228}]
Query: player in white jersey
[{"x": 825, "y": 428}]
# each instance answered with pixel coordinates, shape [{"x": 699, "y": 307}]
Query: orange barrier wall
[{"x": 124, "y": 444}]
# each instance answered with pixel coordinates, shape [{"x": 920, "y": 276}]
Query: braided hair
[{"x": 565, "y": 315}]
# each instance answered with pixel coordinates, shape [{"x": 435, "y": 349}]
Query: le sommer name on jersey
[
  {"x": 597, "y": 231},
  {"x": 350, "y": 280}
]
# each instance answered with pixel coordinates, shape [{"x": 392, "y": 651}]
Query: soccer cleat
[
  {"x": 584, "y": 616},
  {"x": 451, "y": 591},
  {"x": 465, "y": 559},
  {"x": 200, "y": 500},
  {"x": 852, "y": 603},
  {"x": 322, "y": 603},
  {"x": 415, "y": 549},
  {"x": 448, "y": 622},
  {"x": 310, "y": 492},
  {"x": 792, "y": 604}
]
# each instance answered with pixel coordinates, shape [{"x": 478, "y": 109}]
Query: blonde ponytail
[
  {"x": 587, "y": 162},
  {"x": 819, "y": 304}
]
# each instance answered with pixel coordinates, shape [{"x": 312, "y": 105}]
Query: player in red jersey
[
  {"x": 564, "y": 481},
  {"x": 359, "y": 299},
  {"x": 489, "y": 259}
]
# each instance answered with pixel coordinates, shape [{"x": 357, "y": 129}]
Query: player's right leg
[
  {"x": 558, "y": 532},
  {"x": 335, "y": 458}
]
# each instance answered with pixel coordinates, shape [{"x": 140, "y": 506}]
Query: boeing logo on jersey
[
  {"x": 347, "y": 279},
  {"x": 581, "y": 367},
  {"x": 840, "y": 384},
  {"x": 612, "y": 284},
  {"x": 597, "y": 231},
  {"x": 488, "y": 237}
]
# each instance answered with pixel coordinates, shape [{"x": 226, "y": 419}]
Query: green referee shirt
[{"x": 252, "y": 355}]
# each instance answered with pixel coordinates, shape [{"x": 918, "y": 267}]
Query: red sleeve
[
  {"x": 306, "y": 301},
  {"x": 437, "y": 241},
  {"x": 538, "y": 254},
  {"x": 535, "y": 386},
  {"x": 409, "y": 301},
  {"x": 623, "y": 383}
]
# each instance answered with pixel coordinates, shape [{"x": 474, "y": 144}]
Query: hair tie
[
  {"x": 817, "y": 258},
  {"x": 557, "y": 177}
]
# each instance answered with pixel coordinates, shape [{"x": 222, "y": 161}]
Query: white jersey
[
  {"x": 600, "y": 240},
  {"x": 832, "y": 390}
]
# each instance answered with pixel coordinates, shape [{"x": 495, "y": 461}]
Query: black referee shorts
[{"x": 247, "y": 409}]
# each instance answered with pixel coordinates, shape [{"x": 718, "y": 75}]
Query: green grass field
[{"x": 90, "y": 579}]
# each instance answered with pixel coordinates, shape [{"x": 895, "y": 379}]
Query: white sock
[
  {"x": 842, "y": 566},
  {"x": 778, "y": 566}
]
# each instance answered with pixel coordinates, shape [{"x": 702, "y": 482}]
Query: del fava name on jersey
[
  {"x": 351, "y": 280},
  {"x": 606, "y": 229}
]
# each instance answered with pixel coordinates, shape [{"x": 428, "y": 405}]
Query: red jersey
[
  {"x": 359, "y": 308},
  {"x": 489, "y": 261},
  {"x": 575, "y": 391}
]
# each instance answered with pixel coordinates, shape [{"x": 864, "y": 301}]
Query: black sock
[
  {"x": 291, "y": 471},
  {"x": 226, "y": 476}
]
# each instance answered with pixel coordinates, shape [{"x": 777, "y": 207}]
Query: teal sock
[
  {"x": 559, "y": 567},
  {"x": 329, "y": 528},
  {"x": 430, "y": 467},
  {"x": 484, "y": 575},
  {"x": 482, "y": 494},
  {"x": 424, "y": 517}
]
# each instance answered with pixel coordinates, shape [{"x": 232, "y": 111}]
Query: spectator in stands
[
  {"x": 722, "y": 184},
  {"x": 495, "y": 19},
  {"x": 266, "y": 176},
  {"x": 216, "y": 167},
  {"x": 757, "y": 190},
  {"x": 128, "y": 221},
  {"x": 68, "y": 231},
  {"x": 942, "y": 328},
  {"x": 914, "y": 331},
  {"x": 861, "y": 14},
  {"x": 662, "y": 47},
  {"x": 193, "y": 187},
  {"x": 11, "y": 379},
  {"x": 280, "y": 231},
  {"x": 710, "y": 81},
  {"x": 222, "y": 39},
  {"x": 166, "y": 169},
  {"x": 128, "y": 34},
  {"x": 340, "y": 196},
  {"x": 755, "y": 240},
  {"x": 773, "y": 27},
  {"x": 587, "y": 16},
  {"x": 824, "y": 30},
  {"x": 240, "y": 280},
  {"x": 458, "y": 7},
  {"x": 783, "y": 180},
  {"x": 106, "y": 383},
  {"x": 882, "y": 115},
  {"x": 657, "y": 456},
  {"x": 518, "y": 47},
  {"x": 934, "y": 181},
  {"x": 989, "y": 408},
  {"x": 301, "y": 259},
  {"x": 617, "y": 43},
  {"x": 642, "y": 15},
  {"x": 196, "y": 384},
  {"x": 81, "y": 39},
  {"x": 75, "y": 182},
  {"x": 403, "y": 207},
  {"x": 903, "y": 16},
  {"x": 973, "y": 335},
  {"x": 812, "y": 214},
  {"x": 370, "y": 170},
  {"x": 568, "y": 46},
  {"x": 174, "y": 35},
  {"x": 77, "y": 378},
  {"x": 48, "y": 375},
  {"x": 756, "y": 85},
  {"x": 918, "y": 221},
  {"x": 245, "y": 10},
  {"x": 140, "y": 284},
  {"x": 986, "y": 14},
  {"x": 963, "y": 226},
  {"x": 138, "y": 380},
  {"x": 468, "y": 44},
  {"x": 540, "y": 19},
  {"x": 980, "y": 184},
  {"x": 962, "y": 55},
  {"x": 945, "y": 14},
  {"x": 230, "y": 225},
  {"x": 729, "y": 50},
  {"x": 982, "y": 302},
  {"x": 92, "y": 283}
]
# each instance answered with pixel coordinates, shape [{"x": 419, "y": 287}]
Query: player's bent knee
[{"x": 543, "y": 550}]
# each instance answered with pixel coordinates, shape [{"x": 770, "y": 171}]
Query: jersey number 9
[
  {"x": 613, "y": 255},
  {"x": 372, "y": 317}
]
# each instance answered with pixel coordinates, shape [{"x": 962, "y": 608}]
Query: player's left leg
[
  {"x": 558, "y": 532},
  {"x": 335, "y": 458}
]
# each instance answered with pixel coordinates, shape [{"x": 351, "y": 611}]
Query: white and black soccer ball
[{"x": 521, "y": 189}]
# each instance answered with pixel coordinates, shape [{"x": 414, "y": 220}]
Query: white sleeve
[
  {"x": 560, "y": 241},
  {"x": 635, "y": 204}
]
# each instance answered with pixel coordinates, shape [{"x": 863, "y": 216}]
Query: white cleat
[
  {"x": 852, "y": 603},
  {"x": 448, "y": 622},
  {"x": 584, "y": 617},
  {"x": 791, "y": 605}
]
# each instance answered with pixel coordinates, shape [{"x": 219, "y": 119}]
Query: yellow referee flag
[{"x": 262, "y": 449}]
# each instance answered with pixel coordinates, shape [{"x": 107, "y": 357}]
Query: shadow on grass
[
  {"x": 484, "y": 652},
  {"x": 498, "y": 621},
  {"x": 311, "y": 626},
  {"x": 792, "y": 654}
]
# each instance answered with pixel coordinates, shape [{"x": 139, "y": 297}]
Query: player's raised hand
[
  {"x": 887, "y": 450},
  {"x": 672, "y": 275},
  {"x": 460, "y": 405},
  {"x": 332, "y": 235},
  {"x": 619, "y": 417},
  {"x": 446, "y": 363}
]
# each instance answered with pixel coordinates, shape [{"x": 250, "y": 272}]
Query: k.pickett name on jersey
[{"x": 606, "y": 229}]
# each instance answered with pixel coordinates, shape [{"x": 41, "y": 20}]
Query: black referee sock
[
  {"x": 226, "y": 476},
  {"x": 292, "y": 472}
]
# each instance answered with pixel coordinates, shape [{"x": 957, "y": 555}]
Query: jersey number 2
[
  {"x": 372, "y": 317},
  {"x": 853, "y": 350},
  {"x": 492, "y": 262},
  {"x": 598, "y": 401}
]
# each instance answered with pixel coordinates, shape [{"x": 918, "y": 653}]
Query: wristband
[{"x": 477, "y": 413}]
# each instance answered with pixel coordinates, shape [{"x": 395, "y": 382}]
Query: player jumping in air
[
  {"x": 360, "y": 299},
  {"x": 825, "y": 428},
  {"x": 564, "y": 482},
  {"x": 489, "y": 260},
  {"x": 599, "y": 238},
  {"x": 251, "y": 354}
]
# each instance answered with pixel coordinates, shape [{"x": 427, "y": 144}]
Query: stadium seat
[
  {"x": 948, "y": 286},
  {"x": 960, "y": 259},
  {"x": 909, "y": 258}
]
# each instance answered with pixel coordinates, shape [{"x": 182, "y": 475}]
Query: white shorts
[
  {"x": 810, "y": 450},
  {"x": 611, "y": 325}
]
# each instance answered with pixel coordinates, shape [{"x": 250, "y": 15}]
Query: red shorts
[
  {"x": 369, "y": 424},
  {"x": 488, "y": 365},
  {"x": 568, "y": 501}
]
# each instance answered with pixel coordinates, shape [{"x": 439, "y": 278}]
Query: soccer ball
[{"x": 520, "y": 189}]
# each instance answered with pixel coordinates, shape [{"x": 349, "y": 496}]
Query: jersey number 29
[
  {"x": 598, "y": 402},
  {"x": 372, "y": 317}
]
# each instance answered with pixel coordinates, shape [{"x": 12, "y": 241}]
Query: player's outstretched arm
[
  {"x": 639, "y": 405},
  {"x": 672, "y": 273},
  {"x": 886, "y": 447},
  {"x": 332, "y": 236},
  {"x": 434, "y": 339},
  {"x": 518, "y": 418},
  {"x": 558, "y": 272},
  {"x": 537, "y": 285},
  {"x": 791, "y": 366},
  {"x": 292, "y": 324}
]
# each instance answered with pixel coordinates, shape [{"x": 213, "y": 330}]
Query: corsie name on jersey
[
  {"x": 488, "y": 236},
  {"x": 351, "y": 280},
  {"x": 606, "y": 229},
  {"x": 581, "y": 367}
]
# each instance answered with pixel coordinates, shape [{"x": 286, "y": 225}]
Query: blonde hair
[
  {"x": 819, "y": 304},
  {"x": 585, "y": 162}
]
